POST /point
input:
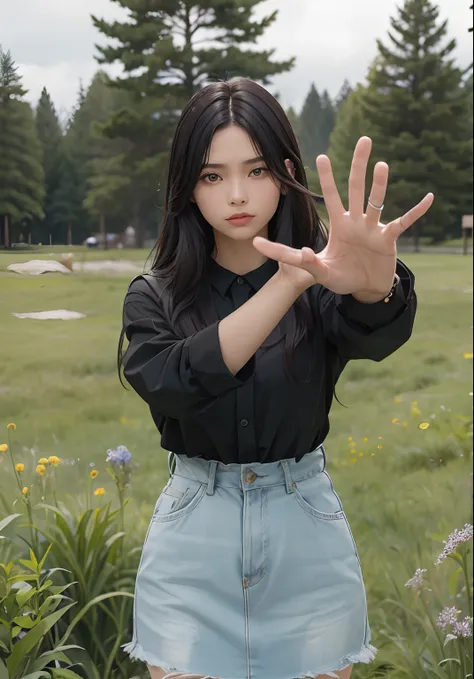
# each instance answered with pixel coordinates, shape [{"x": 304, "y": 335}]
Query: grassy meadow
[{"x": 404, "y": 488}]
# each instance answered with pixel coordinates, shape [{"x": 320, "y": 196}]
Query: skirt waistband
[{"x": 248, "y": 476}]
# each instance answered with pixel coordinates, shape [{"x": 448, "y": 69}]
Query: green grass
[
  {"x": 58, "y": 383},
  {"x": 58, "y": 379}
]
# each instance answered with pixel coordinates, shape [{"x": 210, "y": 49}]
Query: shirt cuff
[
  {"x": 380, "y": 314},
  {"x": 207, "y": 363}
]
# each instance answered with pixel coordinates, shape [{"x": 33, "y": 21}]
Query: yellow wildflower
[
  {"x": 398, "y": 399},
  {"x": 123, "y": 420},
  {"x": 25, "y": 490},
  {"x": 380, "y": 447},
  {"x": 41, "y": 469},
  {"x": 395, "y": 420},
  {"x": 366, "y": 439},
  {"x": 414, "y": 404},
  {"x": 350, "y": 438},
  {"x": 424, "y": 425},
  {"x": 20, "y": 467},
  {"x": 468, "y": 354},
  {"x": 54, "y": 460},
  {"x": 372, "y": 454},
  {"x": 94, "y": 474},
  {"x": 3, "y": 448},
  {"x": 415, "y": 412},
  {"x": 12, "y": 425},
  {"x": 43, "y": 461},
  {"x": 361, "y": 454},
  {"x": 99, "y": 491}
]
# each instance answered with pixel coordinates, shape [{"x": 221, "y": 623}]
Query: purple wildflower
[
  {"x": 454, "y": 540},
  {"x": 463, "y": 629},
  {"x": 448, "y": 616},
  {"x": 119, "y": 456},
  {"x": 417, "y": 580}
]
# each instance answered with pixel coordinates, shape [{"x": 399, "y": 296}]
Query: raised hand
[{"x": 360, "y": 257}]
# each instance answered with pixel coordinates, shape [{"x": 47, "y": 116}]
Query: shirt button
[
  {"x": 240, "y": 280},
  {"x": 244, "y": 423}
]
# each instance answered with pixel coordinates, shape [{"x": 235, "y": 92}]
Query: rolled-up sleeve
[
  {"x": 179, "y": 377},
  {"x": 370, "y": 331}
]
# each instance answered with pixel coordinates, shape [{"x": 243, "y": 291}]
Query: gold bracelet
[{"x": 396, "y": 281}]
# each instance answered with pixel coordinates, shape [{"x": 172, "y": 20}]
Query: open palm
[{"x": 361, "y": 254}]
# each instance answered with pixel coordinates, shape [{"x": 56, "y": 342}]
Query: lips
[{"x": 240, "y": 215}]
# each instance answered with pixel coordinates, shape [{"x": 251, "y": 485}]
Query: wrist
[
  {"x": 287, "y": 286},
  {"x": 368, "y": 298},
  {"x": 375, "y": 297}
]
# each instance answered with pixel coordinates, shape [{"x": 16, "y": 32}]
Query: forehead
[{"x": 231, "y": 145}]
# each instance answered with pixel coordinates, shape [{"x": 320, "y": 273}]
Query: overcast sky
[{"x": 53, "y": 41}]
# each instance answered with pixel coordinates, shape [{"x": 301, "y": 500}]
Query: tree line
[{"x": 106, "y": 167}]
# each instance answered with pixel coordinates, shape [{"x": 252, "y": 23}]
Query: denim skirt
[{"x": 250, "y": 571}]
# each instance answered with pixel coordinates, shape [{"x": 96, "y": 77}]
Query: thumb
[{"x": 314, "y": 265}]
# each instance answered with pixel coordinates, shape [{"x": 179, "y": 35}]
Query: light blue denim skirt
[{"x": 250, "y": 571}]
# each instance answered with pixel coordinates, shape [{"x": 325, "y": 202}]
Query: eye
[
  {"x": 207, "y": 176},
  {"x": 261, "y": 171}
]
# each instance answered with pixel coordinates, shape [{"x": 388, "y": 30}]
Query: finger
[
  {"x": 278, "y": 251},
  {"x": 358, "y": 176},
  {"x": 331, "y": 195},
  {"x": 378, "y": 193},
  {"x": 399, "y": 226}
]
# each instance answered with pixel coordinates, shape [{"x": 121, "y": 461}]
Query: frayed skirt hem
[{"x": 365, "y": 655}]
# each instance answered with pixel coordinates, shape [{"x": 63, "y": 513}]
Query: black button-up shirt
[{"x": 258, "y": 415}]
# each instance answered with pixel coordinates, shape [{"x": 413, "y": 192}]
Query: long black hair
[{"x": 184, "y": 250}]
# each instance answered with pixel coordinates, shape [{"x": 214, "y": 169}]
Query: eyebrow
[{"x": 251, "y": 161}]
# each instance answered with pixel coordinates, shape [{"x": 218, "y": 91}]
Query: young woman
[{"x": 237, "y": 337}]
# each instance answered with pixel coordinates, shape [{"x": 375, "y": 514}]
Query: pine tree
[
  {"x": 328, "y": 120},
  {"x": 295, "y": 121},
  {"x": 419, "y": 109},
  {"x": 86, "y": 147},
  {"x": 169, "y": 49},
  {"x": 350, "y": 126},
  {"x": 51, "y": 138},
  {"x": 310, "y": 127},
  {"x": 21, "y": 174},
  {"x": 183, "y": 43},
  {"x": 344, "y": 92}
]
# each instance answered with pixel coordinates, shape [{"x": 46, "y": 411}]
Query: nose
[{"x": 237, "y": 193}]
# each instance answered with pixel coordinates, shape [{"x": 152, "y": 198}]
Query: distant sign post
[{"x": 467, "y": 226}]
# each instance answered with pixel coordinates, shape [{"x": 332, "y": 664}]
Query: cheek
[{"x": 268, "y": 196}]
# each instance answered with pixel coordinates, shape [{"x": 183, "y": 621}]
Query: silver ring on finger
[{"x": 375, "y": 207}]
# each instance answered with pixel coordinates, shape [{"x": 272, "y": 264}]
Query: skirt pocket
[
  {"x": 179, "y": 498},
  {"x": 317, "y": 497}
]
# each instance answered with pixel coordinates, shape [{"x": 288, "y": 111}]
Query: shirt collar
[{"x": 222, "y": 278}]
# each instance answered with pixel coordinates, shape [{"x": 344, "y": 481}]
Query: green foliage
[
  {"x": 84, "y": 552},
  {"x": 351, "y": 125},
  {"x": 169, "y": 51},
  {"x": 34, "y": 610},
  {"x": 418, "y": 108},
  {"x": 51, "y": 137},
  {"x": 21, "y": 174}
]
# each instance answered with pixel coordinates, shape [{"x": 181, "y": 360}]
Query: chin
[{"x": 240, "y": 233}]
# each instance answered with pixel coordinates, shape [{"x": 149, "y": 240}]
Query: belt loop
[
  {"x": 212, "y": 477},
  {"x": 287, "y": 473},
  {"x": 171, "y": 464},
  {"x": 324, "y": 457}
]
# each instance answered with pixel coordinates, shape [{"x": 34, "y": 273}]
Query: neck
[{"x": 240, "y": 257}]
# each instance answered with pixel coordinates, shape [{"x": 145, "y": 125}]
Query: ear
[{"x": 290, "y": 167}]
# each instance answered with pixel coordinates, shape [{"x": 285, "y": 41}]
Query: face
[{"x": 235, "y": 181}]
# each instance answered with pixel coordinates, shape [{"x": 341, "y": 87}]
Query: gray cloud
[{"x": 53, "y": 41}]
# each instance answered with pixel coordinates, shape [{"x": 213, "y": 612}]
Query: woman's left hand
[{"x": 361, "y": 254}]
